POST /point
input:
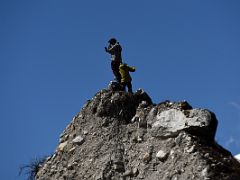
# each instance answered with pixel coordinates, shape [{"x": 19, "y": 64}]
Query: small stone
[
  {"x": 53, "y": 157},
  {"x": 85, "y": 132},
  {"x": 178, "y": 139},
  {"x": 61, "y": 140},
  {"x": 127, "y": 173},
  {"x": 64, "y": 169},
  {"x": 73, "y": 135},
  {"x": 139, "y": 139},
  {"x": 78, "y": 140},
  {"x": 94, "y": 134},
  {"x": 143, "y": 104},
  {"x": 124, "y": 140},
  {"x": 142, "y": 123},
  {"x": 135, "y": 119},
  {"x": 188, "y": 138},
  {"x": 99, "y": 176},
  {"x": 70, "y": 167},
  {"x": 74, "y": 118},
  {"x": 172, "y": 154},
  {"x": 62, "y": 146},
  {"x": 135, "y": 171},
  {"x": 72, "y": 149},
  {"x": 161, "y": 155},
  {"x": 213, "y": 165},
  {"x": 134, "y": 139},
  {"x": 75, "y": 163},
  {"x": 199, "y": 168},
  {"x": 207, "y": 155},
  {"x": 205, "y": 172},
  {"x": 196, "y": 154},
  {"x": 62, "y": 134},
  {"x": 146, "y": 157},
  {"x": 45, "y": 166},
  {"x": 118, "y": 166},
  {"x": 48, "y": 158},
  {"x": 175, "y": 178},
  {"x": 228, "y": 160},
  {"x": 105, "y": 122},
  {"x": 190, "y": 150},
  {"x": 170, "y": 103}
]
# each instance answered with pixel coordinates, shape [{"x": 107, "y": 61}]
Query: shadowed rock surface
[{"x": 121, "y": 136}]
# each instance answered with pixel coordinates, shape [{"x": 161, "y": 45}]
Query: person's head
[{"x": 112, "y": 41}]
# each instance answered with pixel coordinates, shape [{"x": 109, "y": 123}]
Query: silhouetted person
[{"x": 115, "y": 49}]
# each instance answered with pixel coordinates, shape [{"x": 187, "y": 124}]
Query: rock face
[{"x": 121, "y": 136}]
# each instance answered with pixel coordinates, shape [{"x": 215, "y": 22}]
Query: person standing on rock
[
  {"x": 115, "y": 49},
  {"x": 126, "y": 79}
]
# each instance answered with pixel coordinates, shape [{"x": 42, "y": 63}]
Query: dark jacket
[{"x": 115, "y": 51}]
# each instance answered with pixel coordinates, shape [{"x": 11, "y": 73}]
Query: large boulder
[{"x": 171, "y": 122}]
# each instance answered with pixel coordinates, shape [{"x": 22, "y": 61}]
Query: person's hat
[{"x": 112, "y": 41}]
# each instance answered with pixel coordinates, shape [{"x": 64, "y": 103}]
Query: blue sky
[{"x": 53, "y": 60}]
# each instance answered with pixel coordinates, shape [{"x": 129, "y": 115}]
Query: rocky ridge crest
[{"x": 125, "y": 136}]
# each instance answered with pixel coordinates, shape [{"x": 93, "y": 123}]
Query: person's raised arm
[{"x": 131, "y": 69}]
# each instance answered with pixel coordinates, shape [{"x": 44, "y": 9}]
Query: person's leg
[
  {"x": 118, "y": 75},
  {"x": 115, "y": 68},
  {"x": 123, "y": 86},
  {"x": 129, "y": 85}
]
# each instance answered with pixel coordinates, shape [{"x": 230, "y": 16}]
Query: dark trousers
[
  {"x": 128, "y": 84},
  {"x": 115, "y": 68}
]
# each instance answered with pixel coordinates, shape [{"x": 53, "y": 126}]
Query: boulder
[
  {"x": 171, "y": 122},
  {"x": 162, "y": 155},
  {"x": 78, "y": 140}
]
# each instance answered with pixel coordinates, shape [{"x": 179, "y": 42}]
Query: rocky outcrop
[
  {"x": 237, "y": 157},
  {"x": 169, "y": 123},
  {"x": 125, "y": 136}
]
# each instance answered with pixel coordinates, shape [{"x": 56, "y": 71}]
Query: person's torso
[
  {"x": 117, "y": 53},
  {"x": 125, "y": 76}
]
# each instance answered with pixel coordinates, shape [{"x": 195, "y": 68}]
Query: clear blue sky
[{"x": 53, "y": 60}]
